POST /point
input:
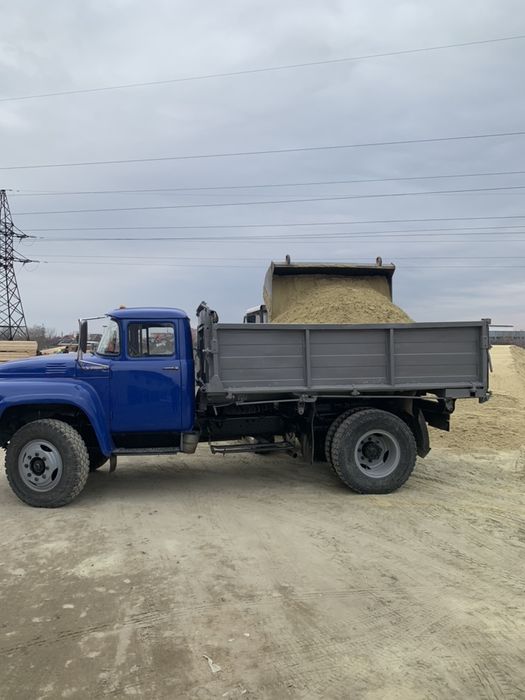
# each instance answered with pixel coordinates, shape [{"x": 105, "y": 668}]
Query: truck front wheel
[
  {"x": 373, "y": 451},
  {"x": 47, "y": 463}
]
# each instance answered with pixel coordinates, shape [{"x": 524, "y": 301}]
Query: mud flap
[{"x": 421, "y": 434}]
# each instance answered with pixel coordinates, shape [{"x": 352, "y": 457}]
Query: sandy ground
[
  {"x": 498, "y": 424},
  {"x": 293, "y": 585}
]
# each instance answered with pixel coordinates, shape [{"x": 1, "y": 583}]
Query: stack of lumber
[{"x": 17, "y": 349}]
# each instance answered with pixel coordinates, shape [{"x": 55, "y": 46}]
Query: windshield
[{"x": 110, "y": 341}]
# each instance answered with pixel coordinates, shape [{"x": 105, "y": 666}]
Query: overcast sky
[{"x": 441, "y": 275}]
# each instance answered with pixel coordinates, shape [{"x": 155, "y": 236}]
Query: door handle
[{"x": 172, "y": 367}]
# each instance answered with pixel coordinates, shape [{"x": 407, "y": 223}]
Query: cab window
[
  {"x": 151, "y": 339},
  {"x": 110, "y": 342}
]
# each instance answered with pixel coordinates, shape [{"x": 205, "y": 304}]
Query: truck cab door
[{"x": 146, "y": 391}]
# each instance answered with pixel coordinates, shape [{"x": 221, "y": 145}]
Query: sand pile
[
  {"x": 498, "y": 424},
  {"x": 333, "y": 299}
]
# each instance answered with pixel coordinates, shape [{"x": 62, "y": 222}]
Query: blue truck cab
[
  {"x": 150, "y": 385},
  {"x": 136, "y": 393}
]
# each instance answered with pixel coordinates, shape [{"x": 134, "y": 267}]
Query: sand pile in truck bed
[
  {"x": 333, "y": 299},
  {"x": 498, "y": 424}
]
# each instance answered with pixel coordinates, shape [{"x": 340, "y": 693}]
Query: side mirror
[{"x": 83, "y": 336}]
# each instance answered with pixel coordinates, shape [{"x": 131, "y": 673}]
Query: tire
[
  {"x": 96, "y": 459},
  {"x": 332, "y": 430},
  {"x": 57, "y": 465},
  {"x": 373, "y": 451}
]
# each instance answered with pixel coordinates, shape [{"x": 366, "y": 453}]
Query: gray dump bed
[{"x": 248, "y": 360}]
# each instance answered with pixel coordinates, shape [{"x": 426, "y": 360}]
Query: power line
[
  {"x": 228, "y": 267},
  {"x": 161, "y": 190},
  {"x": 442, "y": 234},
  {"x": 290, "y": 224},
  {"x": 265, "y": 69},
  {"x": 304, "y": 238},
  {"x": 264, "y": 262},
  {"x": 378, "y": 239},
  {"x": 270, "y": 151},
  {"x": 218, "y": 196},
  {"x": 428, "y": 234},
  {"x": 273, "y": 201},
  {"x": 450, "y": 230}
]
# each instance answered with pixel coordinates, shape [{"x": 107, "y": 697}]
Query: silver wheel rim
[
  {"x": 40, "y": 465},
  {"x": 377, "y": 453}
]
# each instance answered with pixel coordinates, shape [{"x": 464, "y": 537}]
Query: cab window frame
[{"x": 148, "y": 325}]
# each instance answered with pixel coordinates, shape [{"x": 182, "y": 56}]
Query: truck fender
[
  {"x": 420, "y": 430},
  {"x": 80, "y": 396},
  {"x": 416, "y": 421}
]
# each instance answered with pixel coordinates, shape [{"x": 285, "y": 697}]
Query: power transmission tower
[{"x": 12, "y": 320}]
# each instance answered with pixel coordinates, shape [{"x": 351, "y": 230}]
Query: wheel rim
[
  {"x": 377, "y": 453},
  {"x": 40, "y": 465}
]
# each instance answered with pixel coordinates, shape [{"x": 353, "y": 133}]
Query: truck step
[
  {"x": 251, "y": 447},
  {"x": 146, "y": 450}
]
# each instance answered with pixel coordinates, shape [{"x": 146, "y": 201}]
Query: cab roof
[{"x": 148, "y": 313}]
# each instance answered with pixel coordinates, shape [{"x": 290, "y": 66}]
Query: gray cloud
[{"x": 66, "y": 45}]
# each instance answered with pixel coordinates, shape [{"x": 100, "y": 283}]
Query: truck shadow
[{"x": 213, "y": 474}]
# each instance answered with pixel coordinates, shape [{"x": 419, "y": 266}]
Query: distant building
[{"x": 503, "y": 336}]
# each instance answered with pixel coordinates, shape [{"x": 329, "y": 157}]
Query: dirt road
[{"x": 293, "y": 585}]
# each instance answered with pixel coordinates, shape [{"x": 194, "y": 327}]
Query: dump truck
[
  {"x": 256, "y": 314},
  {"x": 362, "y": 396}
]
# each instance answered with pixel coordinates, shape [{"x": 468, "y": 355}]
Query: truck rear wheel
[
  {"x": 47, "y": 463},
  {"x": 373, "y": 451},
  {"x": 333, "y": 429}
]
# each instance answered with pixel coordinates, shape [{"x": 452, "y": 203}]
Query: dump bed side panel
[
  {"x": 340, "y": 357},
  {"x": 446, "y": 355},
  {"x": 262, "y": 358},
  {"x": 275, "y": 358}
]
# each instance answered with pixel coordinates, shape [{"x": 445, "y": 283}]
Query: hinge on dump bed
[
  {"x": 302, "y": 401},
  {"x": 485, "y": 335}
]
